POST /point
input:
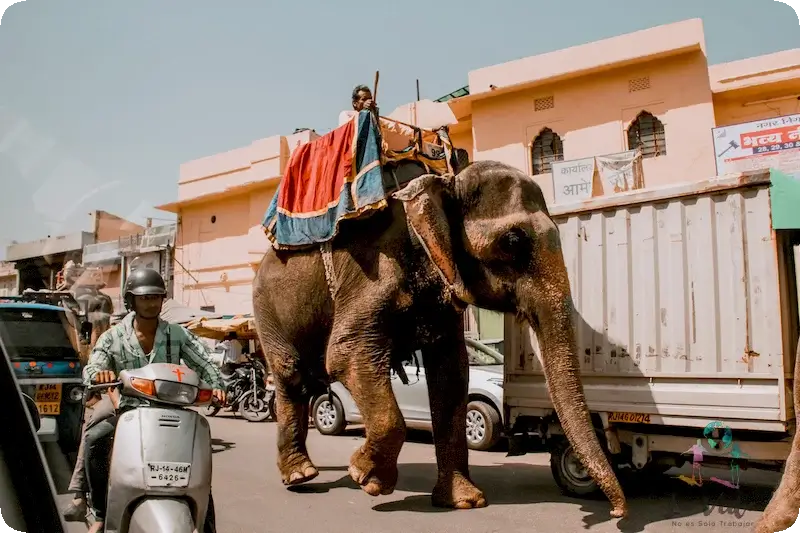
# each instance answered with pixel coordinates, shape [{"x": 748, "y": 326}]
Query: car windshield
[
  {"x": 480, "y": 355},
  {"x": 31, "y": 333}
]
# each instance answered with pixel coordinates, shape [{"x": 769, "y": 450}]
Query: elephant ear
[{"x": 423, "y": 202}]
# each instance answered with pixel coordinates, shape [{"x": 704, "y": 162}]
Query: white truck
[{"x": 686, "y": 327}]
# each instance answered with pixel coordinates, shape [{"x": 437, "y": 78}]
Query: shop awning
[
  {"x": 216, "y": 328},
  {"x": 175, "y": 312}
]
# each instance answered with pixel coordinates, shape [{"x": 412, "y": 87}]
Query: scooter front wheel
[{"x": 253, "y": 408}]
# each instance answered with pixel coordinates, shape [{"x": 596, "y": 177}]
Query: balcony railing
[
  {"x": 102, "y": 252},
  {"x": 156, "y": 237},
  {"x": 109, "y": 251}
]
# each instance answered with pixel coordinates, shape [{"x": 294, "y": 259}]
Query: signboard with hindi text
[
  {"x": 761, "y": 144},
  {"x": 572, "y": 180}
]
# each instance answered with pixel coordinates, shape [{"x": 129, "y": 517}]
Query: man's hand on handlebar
[
  {"x": 104, "y": 376},
  {"x": 219, "y": 395}
]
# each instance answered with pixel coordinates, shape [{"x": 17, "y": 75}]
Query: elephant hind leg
[
  {"x": 361, "y": 363},
  {"x": 291, "y": 414}
]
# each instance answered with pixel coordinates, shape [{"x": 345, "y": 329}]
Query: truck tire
[
  {"x": 328, "y": 415},
  {"x": 570, "y": 475},
  {"x": 483, "y": 426}
]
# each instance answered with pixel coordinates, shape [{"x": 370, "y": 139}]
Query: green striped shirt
[{"x": 118, "y": 349}]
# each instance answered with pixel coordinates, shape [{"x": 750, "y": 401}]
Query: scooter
[{"x": 160, "y": 475}]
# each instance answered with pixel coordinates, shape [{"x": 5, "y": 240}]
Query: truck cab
[{"x": 42, "y": 343}]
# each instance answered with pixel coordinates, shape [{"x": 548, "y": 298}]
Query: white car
[{"x": 484, "y": 412}]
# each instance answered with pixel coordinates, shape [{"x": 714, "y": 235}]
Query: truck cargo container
[{"x": 686, "y": 317}]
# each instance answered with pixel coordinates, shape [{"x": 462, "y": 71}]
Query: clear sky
[{"x": 102, "y": 100}]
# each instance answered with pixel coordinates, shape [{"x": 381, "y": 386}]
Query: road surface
[{"x": 521, "y": 492}]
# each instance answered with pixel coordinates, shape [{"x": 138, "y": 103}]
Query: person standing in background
[{"x": 234, "y": 353}]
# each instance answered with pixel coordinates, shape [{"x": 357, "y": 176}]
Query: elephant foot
[
  {"x": 298, "y": 472},
  {"x": 457, "y": 492},
  {"x": 374, "y": 479}
]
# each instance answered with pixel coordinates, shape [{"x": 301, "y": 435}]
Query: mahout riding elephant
[
  {"x": 782, "y": 510},
  {"x": 399, "y": 281}
]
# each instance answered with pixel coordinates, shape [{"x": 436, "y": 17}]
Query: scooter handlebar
[{"x": 103, "y": 386}]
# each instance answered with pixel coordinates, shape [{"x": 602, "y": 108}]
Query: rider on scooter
[{"x": 139, "y": 339}]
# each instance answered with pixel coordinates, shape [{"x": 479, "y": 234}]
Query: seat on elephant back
[{"x": 349, "y": 173}]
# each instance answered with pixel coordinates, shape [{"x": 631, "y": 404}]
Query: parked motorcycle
[
  {"x": 248, "y": 391},
  {"x": 160, "y": 475}
]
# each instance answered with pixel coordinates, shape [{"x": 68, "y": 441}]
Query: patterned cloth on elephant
[{"x": 340, "y": 176}]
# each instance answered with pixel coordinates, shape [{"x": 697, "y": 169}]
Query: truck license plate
[
  {"x": 159, "y": 474},
  {"x": 48, "y": 399},
  {"x": 629, "y": 418}
]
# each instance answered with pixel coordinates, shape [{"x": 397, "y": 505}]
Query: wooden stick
[{"x": 375, "y": 91}]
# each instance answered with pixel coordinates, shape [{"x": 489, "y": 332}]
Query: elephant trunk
[
  {"x": 551, "y": 317},
  {"x": 782, "y": 510}
]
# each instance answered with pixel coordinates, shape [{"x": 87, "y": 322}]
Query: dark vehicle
[
  {"x": 247, "y": 391},
  {"x": 28, "y": 502},
  {"x": 42, "y": 342}
]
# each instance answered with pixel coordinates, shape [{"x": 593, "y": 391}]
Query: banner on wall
[
  {"x": 620, "y": 172},
  {"x": 572, "y": 180},
  {"x": 761, "y": 144}
]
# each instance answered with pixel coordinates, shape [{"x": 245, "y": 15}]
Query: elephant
[
  {"x": 399, "y": 281},
  {"x": 782, "y": 510}
]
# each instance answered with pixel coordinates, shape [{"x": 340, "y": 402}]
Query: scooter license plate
[{"x": 162, "y": 474}]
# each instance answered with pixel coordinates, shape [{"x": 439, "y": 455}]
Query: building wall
[
  {"x": 591, "y": 114},
  {"x": 216, "y": 260},
  {"x": 109, "y": 227},
  {"x": 8, "y": 279}
]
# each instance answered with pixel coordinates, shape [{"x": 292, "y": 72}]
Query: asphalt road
[{"x": 521, "y": 492}]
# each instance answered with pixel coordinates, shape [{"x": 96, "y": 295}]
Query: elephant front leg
[
  {"x": 447, "y": 375},
  {"x": 364, "y": 371}
]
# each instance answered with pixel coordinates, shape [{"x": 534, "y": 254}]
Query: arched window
[
  {"x": 546, "y": 148},
  {"x": 647, "y": 134}
]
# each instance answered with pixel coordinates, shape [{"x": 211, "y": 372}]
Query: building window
[
  {"x": 546, "y": 148},
  {"x": 647, "y": 134}
]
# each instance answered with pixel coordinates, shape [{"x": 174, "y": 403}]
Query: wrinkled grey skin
[{"x": 404, "y": 276}]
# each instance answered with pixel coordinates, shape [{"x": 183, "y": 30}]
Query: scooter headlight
[{"x": 178, "y": 393}]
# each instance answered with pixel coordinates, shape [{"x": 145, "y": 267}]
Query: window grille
[
  {"x": 542, "y": 104},
  {"x": 546, "y": 148},
  {"x": 639, "y": 84},
  {"x": 647, "y": 134}
]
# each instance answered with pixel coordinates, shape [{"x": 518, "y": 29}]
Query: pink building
[
  {"x": 221, "y": 203},
  {"x": 651, "y": 91}
]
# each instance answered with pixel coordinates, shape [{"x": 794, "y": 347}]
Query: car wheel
[
  {"x": 483, "y": 426},
  {"x": 568, "y": 471},
  {"x": 328, "y": 415}
]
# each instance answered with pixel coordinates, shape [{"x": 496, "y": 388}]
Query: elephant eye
[{"x": 511, "y": 242}]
